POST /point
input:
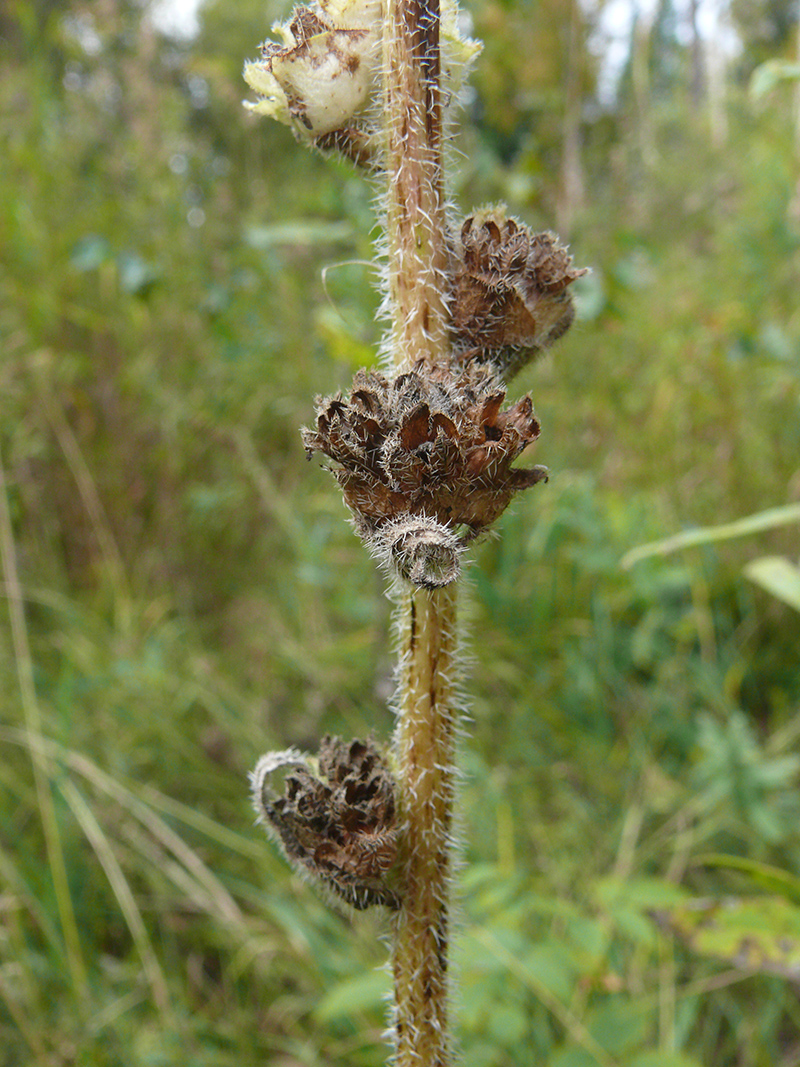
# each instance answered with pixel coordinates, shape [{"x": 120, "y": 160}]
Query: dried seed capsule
[
  {"x": 338, "y": 824},
  {"x": 509, "y": 297},
  {"x": 421, "y": 550},
  {"x": 422, "y": 458}
]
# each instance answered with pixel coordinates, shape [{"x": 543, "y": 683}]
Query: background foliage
[{"x": 177, "y": 282}]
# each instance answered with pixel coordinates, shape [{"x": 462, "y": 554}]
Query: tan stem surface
[
  {"x": 415, "y": 219},
  {"x": 424, "y": 742},
  {"x": 424, "y": 746}
]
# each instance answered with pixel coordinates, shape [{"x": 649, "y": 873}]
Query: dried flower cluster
[
  {"x": 338, "y": 826},
  {"x": 424, "y": 462},
  {"x": 509, "y": 295}
]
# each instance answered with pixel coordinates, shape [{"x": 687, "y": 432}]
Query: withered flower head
[
  {"x": 424, "y": 462},
  {"x": 338, "y": 825},
  {"x": 509, "y": 296}
]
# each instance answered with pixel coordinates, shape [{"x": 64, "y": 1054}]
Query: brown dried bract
[
  {"x": 423, "y": 452},
  {"x": 509, "y": 296},
  {"x": 354, "y": 142},
  {"x": 305, "y": 24},
  {"x": 339, "y": 826}
]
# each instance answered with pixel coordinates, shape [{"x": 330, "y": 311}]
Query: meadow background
[{"x": 182, "y": 591}]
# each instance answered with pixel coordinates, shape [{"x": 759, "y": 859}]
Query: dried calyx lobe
[
  {"x": 339, "y": 826},
  {"x": 424, "y": 461},
  {"x": 509, "y": 291}
]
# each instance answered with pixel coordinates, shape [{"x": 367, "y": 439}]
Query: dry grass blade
[
  {"x": 275, "y": 505},
  {"x": 770, "y": 519},
  {"x": 219, "y": 901},
  {"x": 242, "y": 846},
  {"x": 122, "y": 890},
  {"x": 201, "y": 884},
  {"x": 86, "y": 487},
  {"x": 223, "y": 903},
  {"x": 195, "y": 897},
  {"x": 114, "y": 1010},
  {"x": 33, "y": 734},
  {"x": 20, "y": 1019}
]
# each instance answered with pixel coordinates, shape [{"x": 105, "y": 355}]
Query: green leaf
[
  {"x": 367, "y": 992},
  {"x": 618, "y": 1026},
  {"x": 770, "y": 74},
  {"x": 777, "y": 576},
  {"x": 136, "y": 275},
  {"x": 508, "y": 1024},
  {"x": 761, "y": 874},
  {"x": 589, "y": 296},
  {"x": 572, "y": 1057},
  {"x": 706, "y": 535},
  {"x": 590, "y": 937},
  {"x": 480, "y": 1054},
  {"x": 752, "y": 933},
  {"x": 632, "y": 924},
  {"x": 639, "y": 892},
  {"x": 554, "y": 966},
  {"x": 635, "y": 271},
  {"x": 341, "y": 342}
]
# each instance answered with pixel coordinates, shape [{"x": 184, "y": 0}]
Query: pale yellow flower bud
[{"x": 324, "y": 76}]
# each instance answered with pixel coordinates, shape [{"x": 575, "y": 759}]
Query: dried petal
[{"x": 324, "y": 76}]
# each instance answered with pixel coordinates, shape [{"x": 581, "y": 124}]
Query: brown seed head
[
  {"x": 509, "y": 295},
  {"x": 338, "y": 826},
  {"x": 429, "y": 453}
]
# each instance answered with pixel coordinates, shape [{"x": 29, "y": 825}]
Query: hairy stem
[
  {"x": 424, "y": 745},
  {"x": 417, "y": 255},
  {"x": 415, "y": 221}
]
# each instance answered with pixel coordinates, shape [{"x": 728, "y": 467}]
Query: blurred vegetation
[{"x": 177, "y": 282}]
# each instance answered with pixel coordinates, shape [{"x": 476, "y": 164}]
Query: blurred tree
[
  {"x": 531, "y": 99},
  {"x": 765, "y": 27},
  {"x": 572, "y": 184}
]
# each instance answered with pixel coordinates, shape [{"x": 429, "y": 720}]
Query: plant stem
[
  {"x": 415, "y": 219},
  {"x": 427, "y": 672},
  {"x": 424, "y": 745}
]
